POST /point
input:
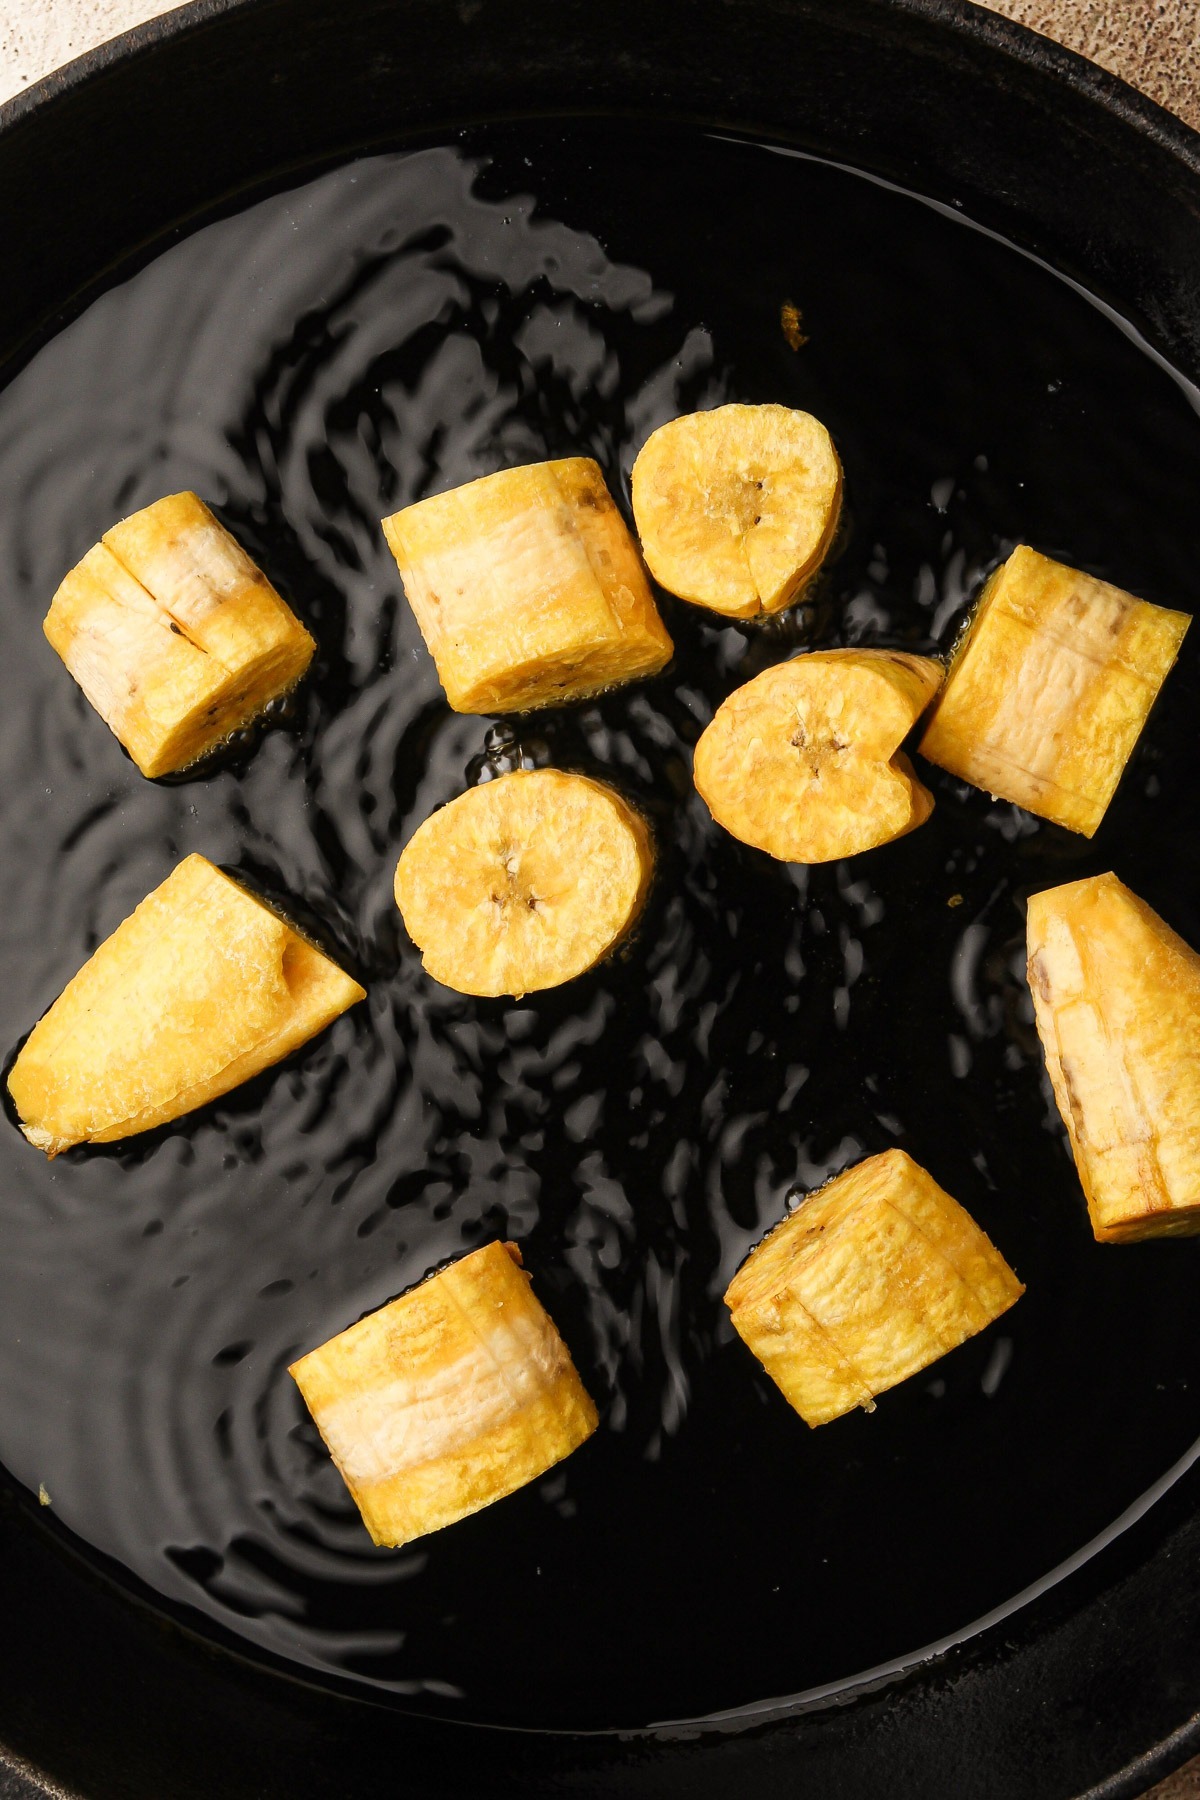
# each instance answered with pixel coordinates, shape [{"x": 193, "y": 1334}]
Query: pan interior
[{"x": 393, "y": 328}]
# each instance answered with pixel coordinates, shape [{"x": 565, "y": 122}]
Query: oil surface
[{"x": 391, "y": 329}]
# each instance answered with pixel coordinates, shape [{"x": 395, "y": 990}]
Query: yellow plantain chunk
[
  {"x": 528, "y": 588},
  {"x": 803, "y": 762},
  {"x": 1050, "y": 688},
  {"x": 199, "y": 989},
  {"x": 873, "y": 1277},
  {"x": 174, "y": 635},
  {"x": 446, "y": 1399},
  {"x": 524, "y": 882},
  {"x": 1117, "y": 999},
  {"x": 736, "y": 508}
]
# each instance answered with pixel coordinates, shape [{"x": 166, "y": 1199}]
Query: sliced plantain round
[
  {"x": 737, "y": 507},
  {"x": 524, "y": 882},
  {"x": 803, "y": 761}
]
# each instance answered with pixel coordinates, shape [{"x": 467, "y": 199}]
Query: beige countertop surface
[{"x": 1154, "y": 44}]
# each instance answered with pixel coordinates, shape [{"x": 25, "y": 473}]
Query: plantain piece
[
  {"x": 528, "y": 588},
  {"x": 1050, "y": 687},
  {"x": 874, "y": 1276},
  {"x": 803, "y": 762},
  {"x": 200, "y": 988},
  {"x": 1117, "y": 1000},
  {"x": 524, "y": 882},
  {"x": 174, "y": 635},
  {"x": 448, "y": 1398},
  {"x": 737, "y": 508}
]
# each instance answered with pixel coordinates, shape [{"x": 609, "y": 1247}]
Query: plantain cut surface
[
  {"x": 804, "y": 763},
  {"x": 873, "y": 1277},
  {"x": 1117, "y": 1000},
  {"x": 448, "y": 1398},
  {"x": 1050, "y": 688},
  {"x": 737, "y": 508},
  {"x": 528, "y": 588},
  {"x": 524, "y": 882},
  {"x": 174, "y": 635},
  {"x": 199, "y": 989}
]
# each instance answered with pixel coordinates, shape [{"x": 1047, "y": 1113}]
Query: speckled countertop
[{"x": 1155, "y": 44}]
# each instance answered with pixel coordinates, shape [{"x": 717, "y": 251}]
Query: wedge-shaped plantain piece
[
  {"x": 524, "y": 882},
  {"x": 200, "y": 988},
  {"x": 1049, "y": 690},
  {"x": 1117, "y": 1000},
  {"x": 803, "y": 762},
  {"x": 528, "y": 588},
  {"x": 174, "y": 635},
  {"x": 873, "y": 1277},
  {"x": 737, "y": 508},
  {"x": 448, "y": 1398}
]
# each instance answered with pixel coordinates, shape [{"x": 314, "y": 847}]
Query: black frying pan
[{"x": 1093, "y": 1687}]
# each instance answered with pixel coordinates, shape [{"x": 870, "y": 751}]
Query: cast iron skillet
[{"x": 1093, "y": 1689}]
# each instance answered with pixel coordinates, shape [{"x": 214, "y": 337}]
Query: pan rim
[{"x": 963, "y": 18}]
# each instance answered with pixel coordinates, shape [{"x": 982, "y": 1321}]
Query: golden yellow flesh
[
  {"x": 803, "y": 761},
  {"x": 174, "y": 635},
  {"x": 199, "y": 989},
  {"x": 528, "y": 588},
  {"x": 873, "y": 1277},
  {"x": 524, "y": 882},
  {"x": 1117, "y": 999},
  {"x": 452, "y": 1396},
  {"x": 736, "y": 508},
  {"x": 1050, "y": 689}
]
